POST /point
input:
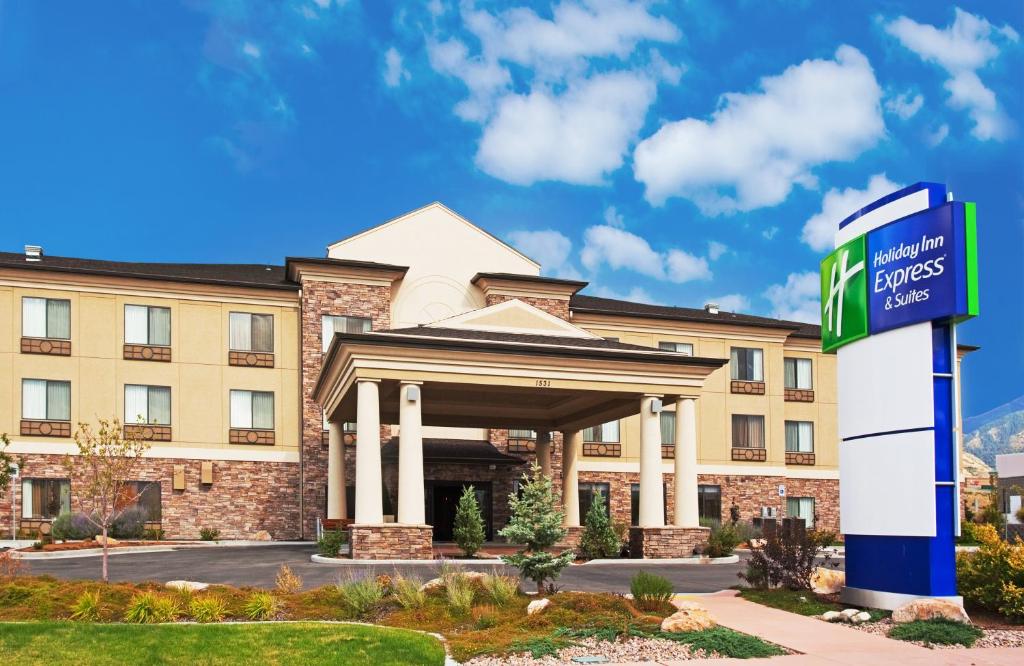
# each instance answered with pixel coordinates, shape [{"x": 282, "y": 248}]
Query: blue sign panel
[{"x": 913, "y": 265}]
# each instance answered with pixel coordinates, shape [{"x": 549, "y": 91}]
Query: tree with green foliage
[
  {"x": 599, "y": 538},
  {"x": 536, "y": 523},
  {"x": 6, "y": 463},
  {"x": 469, "y": 523}
]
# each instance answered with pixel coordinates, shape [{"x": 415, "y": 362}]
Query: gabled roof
[{"x": 517, "y": 317}]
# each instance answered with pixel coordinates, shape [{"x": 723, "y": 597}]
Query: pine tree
[
  {"x": 469, "y": 524},
  {"x": 599, "y": 538},
  {"x": 536, "y": 523}
]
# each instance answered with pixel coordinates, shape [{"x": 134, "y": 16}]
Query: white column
[
  {"x": 571, "y": 444},
  {"x": 652, "y": 500},
  {"x": 544, "y": 452},
  {"x": 686, "y": 514},
  {"x": 369, "y": 500},
  {"x": 410, "y": 455},
  {"x": 335, "y": 471}
]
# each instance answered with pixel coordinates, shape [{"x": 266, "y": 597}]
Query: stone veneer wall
[
  {"x": 663, "y": 542},
  {"x": 391, "y": 542},
  {"x": 244, "y": 498},
  {"x": 556, "y": 306},
  {"x": 318, "y": 299}
]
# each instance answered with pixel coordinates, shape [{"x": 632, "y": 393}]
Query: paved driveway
[{"x": 257, "y": 567}]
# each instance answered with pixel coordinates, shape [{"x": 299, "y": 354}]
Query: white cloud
[
  {"x": 620, "y": 249},
  {"x": 937, "y": 136},
  {"x": 820, "y": 230},
  {"x": 962, "y": 48},
  {"x": 682, "y": 266},
  {"x": 636, "y": 295},
  {"x": 905, "y": 105},
  {"x": 731, "y": 302},
  {"x": 799, "y": 299},
  {"x": 394, "y": 72},
  {"x": 769, "y": 233},
  {"x": 549, "y": 248},
  {"x": 757, "y": 145},
  {"x": 613, "y": 218},
  {"x": 716, "y": 250},
  {"x": 251, "y": 50}
]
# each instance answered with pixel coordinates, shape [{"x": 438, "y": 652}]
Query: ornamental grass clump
[
  {"x": 87, "y": 607},
  {"x": 260, "y": 606},
  {"x": 151, "y": 608},
  {"x": 360, "y": 597},
  {"x": 458, "y": 591},
  {"x": 287, "y": 581},
  {"x": 407, "y": 592},
  {"x": 501, "y": 589},
  {"x": 207, "y": 608},
  {"x": 650, "y": 592}
]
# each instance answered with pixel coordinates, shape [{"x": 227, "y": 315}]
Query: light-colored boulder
[
  {"x": 438, "y": 583},
  {"x": 688, "y": 619},
  {"x": 190, "y": 585},
  {"x": 262, "y": 535},
  {"x": 862, "y": 616},
  {"x": 537, "y": 606},
  {"x": 930, "y": 609},
  {"x": 831, "y": 616},
  {"x": 827, "y": 581},
  {"x": 848, "y": 613},
  {"x": 111, "y": 541}
]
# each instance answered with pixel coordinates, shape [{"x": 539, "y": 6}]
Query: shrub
[
  {"x": 75, "y": 526},
  {"x": 155, "y": 534},
  {"x": 209, "y": 533},
  {"x": 992, "y": 577},
  {"x": 723, "y": 540},
  {"x": 260, "y": 606},
  {"x": 130, "y": 523},
  {"x": 459, "y": 593},
  {"x": 725, "y": 642},
  {"x": 287, "y": 581},
  {"x": 650, "y": 592},
  {"x": 330, "y": 542},
  {"x": 938, "y": 632},
  {"x": 150, "y": 608},
  {"x": 967, "y": 533},
  {"x": 501, "y": 589},
  {"x": 361, "y": 596},
  {"x": 207, "y": 608},
  {"x": 1020, "y": 513},
  {"x": 746, "y": 531},
  {"x": 10, "y": 566},
  {"x": 787, "y": 559},
  {"x": 407, "y": 592},
  {"x": 598, "y": 538},
  {"x": 86, "y": 607},
  {"x": 469, "y": 524}
]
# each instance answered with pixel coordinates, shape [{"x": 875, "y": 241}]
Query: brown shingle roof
[
  {"x": 523, "y": 338},
  {"x": 454, "y": 450}
]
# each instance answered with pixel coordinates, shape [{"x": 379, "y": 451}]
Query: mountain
[{"x": 999, "y": 430}]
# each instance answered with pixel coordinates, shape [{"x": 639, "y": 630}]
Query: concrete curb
[
  {"x": 344, "y": 562},
  {"x": 625, "y": 561},
  {"x": 127, "y": 550}
]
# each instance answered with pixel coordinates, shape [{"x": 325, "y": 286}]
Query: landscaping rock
[
  {"x": 827, "y": 581},
  {"x": 537, "y": 606},
  {"x": 862, "y": 616},
  {"x": 111, "y": 541},
  {"x": 190, "y": 585},
  {"x": 831, "y": 616},
  {"x": 848, "y": 614},
  {"x": 438, "y": 583},
  {"x": 930, "y": 609},
  {"x": 688, "y": 619},
  {"x": 262, "y": 535}
]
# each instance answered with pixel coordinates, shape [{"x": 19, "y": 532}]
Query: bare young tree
[{"x": 107, "y": 460}]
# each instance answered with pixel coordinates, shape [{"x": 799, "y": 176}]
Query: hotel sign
[{"x": 922, "y": 267}]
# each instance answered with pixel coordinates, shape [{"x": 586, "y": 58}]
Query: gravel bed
[
  {"x": 634, "y": 649},
  {"x": 992, "y": 637}
]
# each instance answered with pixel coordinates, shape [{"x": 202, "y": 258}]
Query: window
[
  {"x": 251, "y": 332},
  {"x": 709, "y": 502},
  {"x": 45, "y": 400},
  {"x": 45, "y": 498},
  {"x": 747, "y": 364},
  {"x": 141, "y": 493},
  {"x": 798, "y": 373},
  {"x": 680, "y": 347},
  {"x": 801, "y": 507},
  {"x": 252, "y": 410},
  {"x": 799, "y": 437},
  {"x": 606, "y": 432},
  {"x": 634, "y": 503},
  {"x": 520, "y": 433},
  {"x": 147, "y": 325},
  {"x": 747, "y": 431},
  {"x": 46, "y": 318},
  {"x": 147, "y": 404},
  {"x": 587, "y": 492},
  {"x": 668, "y": 427},
  {"x": 334, "y": 324}
]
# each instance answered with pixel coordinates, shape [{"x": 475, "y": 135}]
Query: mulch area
[
  {"x": 85, "y": 545},
  {"x": 451, "y": 551}
]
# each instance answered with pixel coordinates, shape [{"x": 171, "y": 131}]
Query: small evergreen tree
[
  {"x": 599, "y": 538},
  {"x": 536, "y": 523},
  {"x": 469, "y": 524}
]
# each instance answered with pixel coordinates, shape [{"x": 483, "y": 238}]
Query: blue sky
[{"x": 674, "y": 152}]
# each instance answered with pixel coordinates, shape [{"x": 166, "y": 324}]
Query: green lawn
[
  {"x": 802, "y": 602},
  {"x": 264, "y": 644}
]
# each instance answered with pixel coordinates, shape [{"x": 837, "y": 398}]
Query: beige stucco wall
[{"x": 199, "y": 375}]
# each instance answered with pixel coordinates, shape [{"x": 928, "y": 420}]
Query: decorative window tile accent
[
  {"x": 522, "y": 445},
  {"x": 149, "y": 433},
  {"x": 347, "y": 439},
  {"x": 147, "y": 353},
  {"x": 799, "y": 395},
  {"x": 250, "y": 436},
  {"x": 793, "y": 458},
  {"x": 46, "y": 346},
  {"x": 668, "y": 450},
  {"x": 32, "y": 428},
  {"x": 251, "y": 359},
  {"x": 749, "y": 454},
  {"x": 602, "y": 449},
  {"x": 746, "y": 388}
]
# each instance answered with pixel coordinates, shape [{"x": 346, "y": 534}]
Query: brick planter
[
  {"x": 391, "y": 541},
  {"x": 571, "y": 540},
  {"x": 664, "y": 542}
]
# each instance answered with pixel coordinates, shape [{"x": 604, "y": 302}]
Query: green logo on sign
[{"x": 844, "y": 295}]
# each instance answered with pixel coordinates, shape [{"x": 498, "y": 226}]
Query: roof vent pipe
[
  {"x": 33, "y": 253},
  {"x": 711, "y": 308}
]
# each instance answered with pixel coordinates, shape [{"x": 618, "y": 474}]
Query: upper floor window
[
  {"x": 251, "y": 332},
  {"x": 747, "y": 364},
  {"x": 336, "y": 324},
  {"x": 680, "y": 347},
  {"x": 147, "y": 404},
  {"x": 668, "y": 427},
  {"x": 45, "y": 498},
  {"x": 799, "y": 437},
  {"x": 520, "y": 433},
  {"x": 46, "y": 318},
  {"x": 747, "y": 431},
  {"x": 45, "y": 400},
  {"x": 798, "y": 373},
  {"x": 606, "y": 432},
  {"x": 252, "y": 410},
  {"x": 147, "y": 325}
]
